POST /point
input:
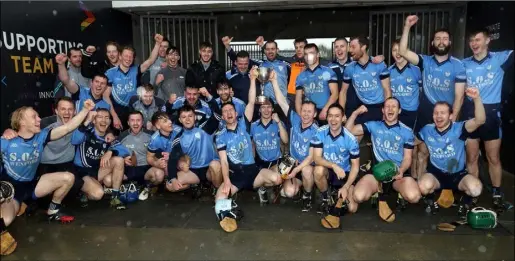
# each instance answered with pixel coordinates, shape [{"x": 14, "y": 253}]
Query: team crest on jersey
[
  {"x": 342, "y": 149},
  {"x": 281, "y": 68},
  {"x": 431, "y": 139},
  {"x": 490, "y": 75},
  {"x": 145, "y": 144},
  {"x": 104, "y": 145},
  {"x": 489, "y": 67},
  {"x": 409, "y": 79},
  {"x": 447, "y": 74},
  {"x": 197, "y": 135},
  {"x": 305, "y": 140},
  {"x": 35, "y": 144},
  {"x": 273, "y": 134},
  {"x": 397, "y": 138},
  {"x": 373, "y": 74}
]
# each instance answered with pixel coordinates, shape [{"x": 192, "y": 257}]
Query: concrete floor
[{"x": 43, "y": 241}]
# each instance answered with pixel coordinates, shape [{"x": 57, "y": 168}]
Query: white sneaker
[{"x": 144, "y": 194}]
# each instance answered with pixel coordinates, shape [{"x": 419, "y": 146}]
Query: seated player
[
  {"x": 146, "y": 103},
  {"x": 160, "y": 146},
  {"x": 136, "y": 140},
  {"x": 58, "y": 154},
  {"x": 197, "y": 144},
  {"x": 191, "y": 97},
  {"x": 391, "y": 140},
  {"x": 21, "y": 157},
  {"x": 336, "y": 155},
  {"x": 302, "y": 129},
  {"x": 445, "y": 140},
  {"x": 98, "y": 161},
  {"x": 239, "y": 170}
]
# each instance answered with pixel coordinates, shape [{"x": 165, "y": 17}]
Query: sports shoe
[
  {"x": 402, "y": 204},
  {"x": 117, "y": 203},
  {"x": 83, "y": 200},
  {"x": 324, "y": 207},
  {"x": 61, "y": 217},
  {"x": 306, "y": 204},
  {"x": 432, "y": 207},
  {"x": 263, "y": 196},
  {"x": 143, "y": 195}
]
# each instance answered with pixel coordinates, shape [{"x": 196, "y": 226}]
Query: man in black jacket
[
  {"x": 205, "y": 72},
  {"x": 96, "y": 63}
]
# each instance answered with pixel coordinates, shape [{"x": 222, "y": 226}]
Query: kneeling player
[
  {"x": 160, "y": 145},
  {"x": 99, "y": 162},
  {"x": 239, "y": 170},
  {"x": 197, "y": 144},
  {"x": 336, "y": 152},
  {"x": 21, "y": 157},
  {"x": 136, "y": 139},
  {"x": 446, "y": 143},
  {"x": 391, "y": 140}
]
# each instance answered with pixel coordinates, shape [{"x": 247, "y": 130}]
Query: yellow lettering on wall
[
  {"x": 26, "y": 64},
  {"x": 15, "y": 60},
  {"x": 48, "y": 65},
  {"x": 37, "y": 66}
]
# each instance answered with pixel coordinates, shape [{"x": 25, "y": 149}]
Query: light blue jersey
[
  {"x": 123, "y": 84},
  {"x": 446, "y": 148},
  {"x": 198, "y": 145},
  {"x": 439, "y": 78},
  {"x": 340, "y": 149},
  {"x": 315, "y": 84},
  {"x": 267, "y": 140},
  {"x": 366, "y": 80},
  {"x": 389, "y": 142},
  {"x": 300, "y": 138},
  {"x": 405, "y": 84},
  {"x": 160, "y": 143},
  {"x": 487, "y": 75},
  {"x": 21, "y": 157},
  {"x": 84, "y": 94},
  {"x": 236, "y": 143}
]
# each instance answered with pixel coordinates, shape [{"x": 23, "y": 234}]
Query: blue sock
[
  {"x": 115, "y": 193},
  {"x": 496, "y": 190}
]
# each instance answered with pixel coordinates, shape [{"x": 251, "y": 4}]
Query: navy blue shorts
[
  {"x": 60, "y": 167},
  {"x": 22, "y": 190},
  {"x": 267, "y": 164},
  {"x": 374, "y": 113},
  {"x": 447, "y": 180},
  {"x": 243, "y": 176},
  {"x": 491, "y": 129},
  {"x": 83, "y": 172},
  {"x": 425, "y": 114},
  {"x": 136, "y": 173},
  {"x": 332, "y": 179},
  {"x": 201, "y": 173},
  {"x": 409, "y": 118}
]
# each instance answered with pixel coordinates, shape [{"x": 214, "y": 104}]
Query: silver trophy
[{"x": 263, "y": 77}]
